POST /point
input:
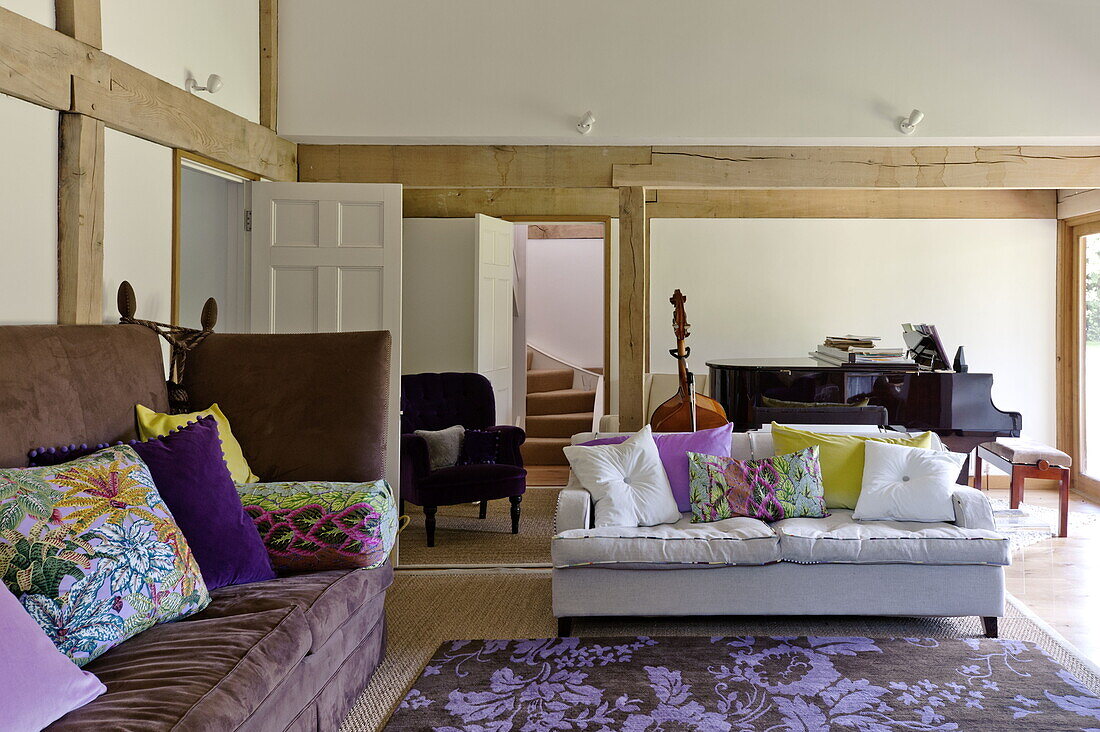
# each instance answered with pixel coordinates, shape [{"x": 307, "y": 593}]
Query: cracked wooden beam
[
  {"x": 633, "y": 289},
  {"x": 467, "y": 166},
  {"x": 865, "y": 167}
]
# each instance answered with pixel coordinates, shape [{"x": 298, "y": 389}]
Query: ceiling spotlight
[
  {"x": 908, "y": 125},
  {"x": 213, "y": 84},
  {"x": 586, "y": 122}
]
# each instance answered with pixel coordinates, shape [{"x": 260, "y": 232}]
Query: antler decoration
[{"x": 179, "y": 338}]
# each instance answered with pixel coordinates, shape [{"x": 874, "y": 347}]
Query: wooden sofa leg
[
  {"x": 565, "y": 627},
  {"x": 483, "y": 509},
  {"x": 515, "y": 512},
  {"x": 990, "y": 625},
  {"x": 429, "y": 523}
]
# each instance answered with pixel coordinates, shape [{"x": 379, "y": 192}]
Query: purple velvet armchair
[{"x": 438, "y": 401}]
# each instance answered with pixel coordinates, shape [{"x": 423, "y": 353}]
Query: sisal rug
[
  {"x": 426, "y": 609},
  {"x": 745, "y": 682},
  {"x": 464, "y": 540}
]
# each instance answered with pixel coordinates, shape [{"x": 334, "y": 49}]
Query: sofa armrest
[
  {"x": 510, "y": 440},
  {"x": 972, "y": 509},
  {"x": 415, "y": 465},
  {"x": 574, "y": 510}
]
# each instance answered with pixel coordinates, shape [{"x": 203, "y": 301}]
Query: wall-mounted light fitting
[
  {"x": 213, "y": 84},
  {"x": 584, "y": 126},
  {"x": 908, "y": 125}
]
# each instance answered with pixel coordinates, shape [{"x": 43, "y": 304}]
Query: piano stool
[{"x": 1023, "y": 459}]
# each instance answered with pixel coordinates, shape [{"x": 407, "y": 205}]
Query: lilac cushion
[
  {"x": 192, "y": 478},
  {"x": 480, "y": 447},
  {"x": 40, "y": 683},
  {"x": 674, "y": 448}
]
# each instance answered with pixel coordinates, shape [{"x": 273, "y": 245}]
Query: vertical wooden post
[
  {"x": 79, "y": 187},
  {"x": 80, "y": 220},
  {"x": 81, "y": 20},
  {"x": 633, "y": 266},
  {"x": 269, "y": 63}
]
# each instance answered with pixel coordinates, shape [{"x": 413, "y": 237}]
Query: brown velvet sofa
[{"x": 289, "y": 654}]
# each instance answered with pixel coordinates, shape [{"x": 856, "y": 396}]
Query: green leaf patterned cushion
[
  {"x": 92, "y": 552},
  {"x": 311, "y": 526},
  {"x": 769, "y": 489}
]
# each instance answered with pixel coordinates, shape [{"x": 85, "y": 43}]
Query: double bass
[{"x": 688, "y": 410}]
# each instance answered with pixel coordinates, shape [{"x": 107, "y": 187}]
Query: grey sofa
[{"x": 802, "y": 566}]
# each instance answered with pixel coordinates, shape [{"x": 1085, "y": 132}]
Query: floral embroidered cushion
[
  {"x": 313, "y": 526},
  {"x": 93, "y": 553},
  {"x": 769, "y": 489}
]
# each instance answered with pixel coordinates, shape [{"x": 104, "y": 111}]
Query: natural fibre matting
[
  {"x": 424, "y": 609},
  {"x": 464, "y": 540}
]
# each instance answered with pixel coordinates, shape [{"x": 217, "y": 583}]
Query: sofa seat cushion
[
  {"x": 194, "y": 675},
  {"x": 840, "y": 539},
  {"x": 467, "y": 483},
  {"x": 326, "y": 599},
  {"x": 734, "y": 541}
]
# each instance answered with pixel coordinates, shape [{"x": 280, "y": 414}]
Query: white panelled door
[
  {"x": 494, "y": 309},
  {"x": 326, "y": 258}
]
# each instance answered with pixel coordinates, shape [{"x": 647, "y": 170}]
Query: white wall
[
  {"x": 771, "y": 287},
  {"x": 438, "y": 311},
  {"x": 170, "y": 39},
  {"x": 40, "y": 11},
  {"x": 565, "y": 299},
  {"x": 28, "y": 210},
  {"x": 707, "y": 70},
  {"x": 137, "y": 225}
]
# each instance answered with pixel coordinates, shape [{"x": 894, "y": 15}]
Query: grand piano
[{"x": 957, "y": 406}]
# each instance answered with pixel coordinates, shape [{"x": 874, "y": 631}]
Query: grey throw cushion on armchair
[{"x": 444, "y": 446}]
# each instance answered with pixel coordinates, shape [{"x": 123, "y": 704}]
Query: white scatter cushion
[
  {"x": 907, "y": 483},
  {"x": 627, "y": 481}
]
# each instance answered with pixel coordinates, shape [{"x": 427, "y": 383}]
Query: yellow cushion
[
  {"x": 841, "y": 458},
  {"x": 154, "y": 424}
]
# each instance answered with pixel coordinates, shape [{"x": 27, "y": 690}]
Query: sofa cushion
[
  {"x": 734, "y": 541},
  {"x": 325, "y": 599},
  {"x": 840, "y": 539},
  {"x": 195, "y": 675}
]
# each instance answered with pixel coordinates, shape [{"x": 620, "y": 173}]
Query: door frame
[
  {"x": 607, "y": 275},
  {"x": 178, "y": 158},
  {"x": 1069, "y": 332}
]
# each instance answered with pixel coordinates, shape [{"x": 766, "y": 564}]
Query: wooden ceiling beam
[
  {"x": 467, "y": 166},
  {"x": 48, "y": 68},
  {"x": 504, "y": 202},
  {"x": 565, "y": 231},
  {"x": 864, "y": 167},
  {"x": 852, "y": 204}
]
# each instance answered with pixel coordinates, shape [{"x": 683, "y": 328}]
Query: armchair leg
[
  {"x": 990, "y": 625},
  {"x": 483, "y": 509},
  {"x": 515, "y": 512},
  {"x": 429, "y": 523},
  {"x": 565, "y": 627}
]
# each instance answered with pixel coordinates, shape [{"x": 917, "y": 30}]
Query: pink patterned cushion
[{"x": 769, "y": 489}]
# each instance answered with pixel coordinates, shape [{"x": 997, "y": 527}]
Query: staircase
[{"x": 556, "y": 411}]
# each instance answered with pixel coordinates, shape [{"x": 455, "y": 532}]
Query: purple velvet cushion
[
  {"x": 480, "y": 447},
  {"x": 40, "y": 683},
  {"x": 674, "y": 448},
  {"x": 192, "y": 478}
]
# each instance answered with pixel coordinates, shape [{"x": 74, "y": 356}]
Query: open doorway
[
  {"x": 210, "y": 245},
  {"x": 566, "y": 338}
]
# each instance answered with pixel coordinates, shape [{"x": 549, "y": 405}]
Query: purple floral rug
[{"x": 744, "y": 683}]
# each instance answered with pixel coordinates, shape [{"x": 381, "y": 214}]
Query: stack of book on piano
[{"x": 853, "y": 349}]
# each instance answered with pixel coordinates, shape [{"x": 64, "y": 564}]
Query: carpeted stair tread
[
  {"x": 544, "y": 451},
  {"x": 558, "y": 425},
  {"x": 561, "y": 401},
  {"x": 543, "y": 380}
]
